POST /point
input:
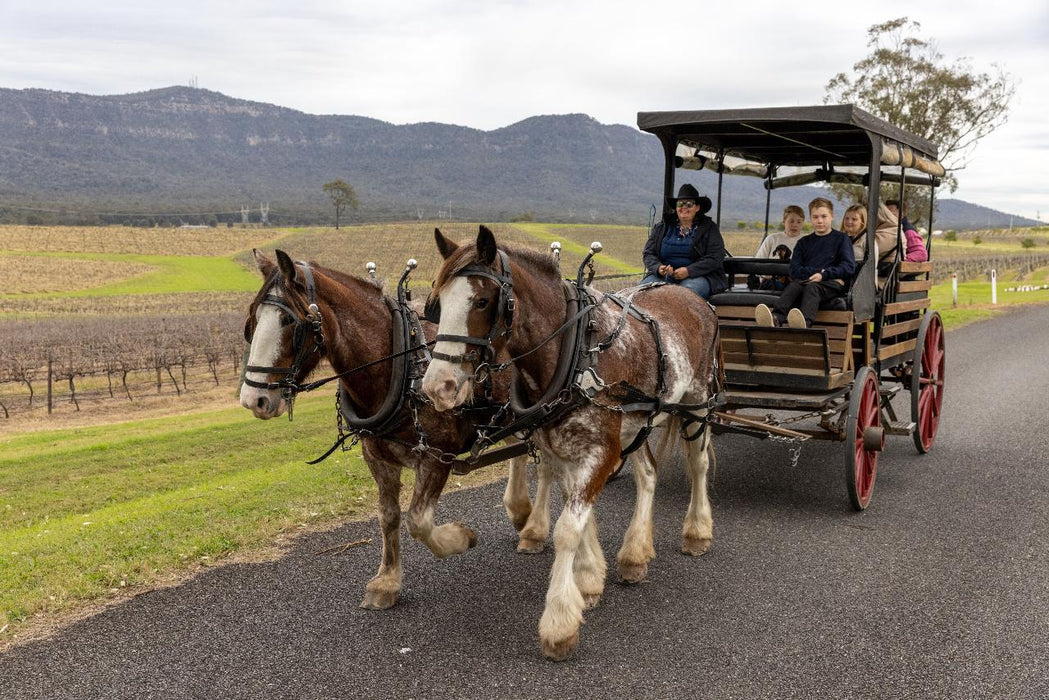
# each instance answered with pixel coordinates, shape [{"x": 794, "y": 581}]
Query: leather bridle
[
  {"x": 505, "y": 307},
  {"x": 307, "y": 337}
]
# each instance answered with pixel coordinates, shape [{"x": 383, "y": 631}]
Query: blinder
[
  {"x": 506, "y": 306},
  {"x": 305, "y": 326}
]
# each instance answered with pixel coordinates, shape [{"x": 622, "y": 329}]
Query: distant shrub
[
  {"x": 524, "y": 216},
  {"x": 741, "y": 225},
  {"x": 1027, "y": 243},
  {"x": 950, "y": 236},
  {"x": 977, "y": 240},
  {"x": 34, "y": 220}
]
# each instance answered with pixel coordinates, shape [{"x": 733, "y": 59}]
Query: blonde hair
[
  {"x": 821, "y": 202},
  {"x": 858, "y": 208},
  {"x": 793, "y": 209}
]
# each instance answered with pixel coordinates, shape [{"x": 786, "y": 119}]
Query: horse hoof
[
  {"x": 591, "y": 600},
  {"x": 471, "y": 538},
  {"x": 379, "y": 600},
  {"x": 559, "y": 651},
  {"x": 631, "y": 572},
  {"x": 695, "y": 546},
  {"x": 528, "y": 546}
]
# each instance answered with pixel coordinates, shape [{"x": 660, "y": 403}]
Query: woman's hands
[{"x": 668, "y": 271}]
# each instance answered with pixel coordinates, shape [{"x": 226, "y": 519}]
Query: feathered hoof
[
  {"x": 560, "y": 650},
  {"x": 631, "y": 572},
  {"x": 379, "y": 600},
  {"x": 695, "y": 546},
  {"x": 528, "y": 546},
  {"x": 591, "y": 600}
]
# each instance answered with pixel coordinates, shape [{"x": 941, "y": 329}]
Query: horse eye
[{"x": 482, "y": 303}]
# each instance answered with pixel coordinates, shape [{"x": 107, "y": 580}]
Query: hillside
[{"x": 182, "y": 149}]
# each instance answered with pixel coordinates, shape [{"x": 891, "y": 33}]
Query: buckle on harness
[{"x": 589, "y": 384}]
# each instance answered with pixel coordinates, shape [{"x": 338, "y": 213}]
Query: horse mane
[
  {"x": 276, "y": 280},
  {"x": 538, "y": 263}
]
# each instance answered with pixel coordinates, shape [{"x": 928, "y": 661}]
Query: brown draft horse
[
  {"x": 583, "y": 447},
  {"x": 356, "y": 325}
]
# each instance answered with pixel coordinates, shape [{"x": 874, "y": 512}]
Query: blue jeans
[{"x": 699, "y": 285}]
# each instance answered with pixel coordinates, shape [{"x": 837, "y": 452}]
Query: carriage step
[
  {"x": 899, "y": 427},
  {"x": 887, "y": 392}
]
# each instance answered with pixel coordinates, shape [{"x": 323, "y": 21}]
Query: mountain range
[{"x": 181, "y": 150}]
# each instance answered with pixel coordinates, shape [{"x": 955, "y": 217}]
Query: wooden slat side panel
[
  {"x": 803, "y": 380},
  {"x": 914, "y": 286},
  {"x": 888, "y": 351},
  {"x": 914, "y": 267},
  {"x": 894, "y": 329},
  {"x": 903, "y": 306}
]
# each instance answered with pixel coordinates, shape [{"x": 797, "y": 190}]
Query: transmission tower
[
  {"x": 264, "y": 212},
  {"x": 244, "y": 215}
]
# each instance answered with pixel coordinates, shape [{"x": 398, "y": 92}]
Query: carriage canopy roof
[{"x": 836, "y": 135}]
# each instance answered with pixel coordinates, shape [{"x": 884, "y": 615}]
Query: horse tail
[{"x": 671, "y": 435}]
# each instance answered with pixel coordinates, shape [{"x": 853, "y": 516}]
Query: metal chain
[{"x": 793, "y": 444}]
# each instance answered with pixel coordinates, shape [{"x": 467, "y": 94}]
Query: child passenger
[
  {"x": 819, "y": 267},
  {"x": 780, "y": 245}
]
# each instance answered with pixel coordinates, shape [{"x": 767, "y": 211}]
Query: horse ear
[
  {"x": 445, "y": 246},
  {"x": 486, "y": 249},
  {"x": 287, "y": 267},
  {"x": 264, "y": 264}
]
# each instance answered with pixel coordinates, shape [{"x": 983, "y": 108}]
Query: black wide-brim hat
[{"x": 689, "y": 191}]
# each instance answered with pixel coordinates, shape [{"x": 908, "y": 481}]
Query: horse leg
[
  {"x": 535, "y": 531},
  {"x": 697, "y": 534},
  {"x": 515, "y": 498},
  {"x": 638, "y": 548},
  {"x": 443, "y": 540},
  {"x": 385, "y": 586},
  {"x": 563, "y": 614},
  {"x": 589, "y": 567}
]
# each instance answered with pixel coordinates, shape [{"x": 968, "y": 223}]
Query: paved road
[{"x": 939, "y": 590}]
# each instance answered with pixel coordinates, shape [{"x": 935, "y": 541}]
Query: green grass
[
  {"x": 174, "y": 274},
  {"x": 90, "y": 510}
]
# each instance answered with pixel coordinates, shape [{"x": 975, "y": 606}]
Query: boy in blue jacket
[{"x": 820, "y": 268}]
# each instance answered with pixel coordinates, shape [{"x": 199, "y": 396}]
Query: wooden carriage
[{"x": 881, "y": 340}]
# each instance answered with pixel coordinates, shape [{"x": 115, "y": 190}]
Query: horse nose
[{"x": 448, "y": 388}]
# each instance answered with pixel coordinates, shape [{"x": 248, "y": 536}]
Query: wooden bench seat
[{"x": 809, "y": 359}]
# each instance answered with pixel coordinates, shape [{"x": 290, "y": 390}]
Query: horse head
[
  {"x": 285, "y": 330},
  {"x": 473, "y": 304}
]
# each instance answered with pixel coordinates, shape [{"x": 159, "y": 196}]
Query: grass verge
[{"x": 90, "y": 512}]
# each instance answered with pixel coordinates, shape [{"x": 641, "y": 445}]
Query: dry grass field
[
  {"x": 34, "y": 274},
  {"x": 127, "y": 239}
]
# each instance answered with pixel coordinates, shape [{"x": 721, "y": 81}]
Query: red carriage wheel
[
  {"x": 864, "y": 438},
  {"x": 927, "y": 381}
]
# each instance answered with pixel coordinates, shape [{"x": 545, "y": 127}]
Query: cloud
[{"x": 487, "y": 65}]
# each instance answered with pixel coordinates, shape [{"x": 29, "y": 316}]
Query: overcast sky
[{"x": 489, "y": 64}]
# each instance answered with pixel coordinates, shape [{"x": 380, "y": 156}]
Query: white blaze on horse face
[
  {"x": 265, "y": 351},
  {"x": 445, "y": 382}
]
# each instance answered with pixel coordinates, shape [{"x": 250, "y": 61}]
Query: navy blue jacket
[
  {"x": 830, "y": 254},
  {"x": 708, "y": 252}
]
